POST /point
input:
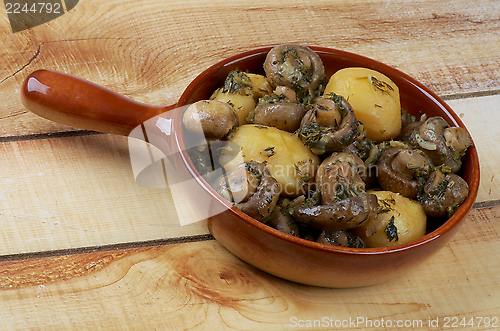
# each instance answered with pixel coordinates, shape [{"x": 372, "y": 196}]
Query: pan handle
[{"x": 79, "y": 103}]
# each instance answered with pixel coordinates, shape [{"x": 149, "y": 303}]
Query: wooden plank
[
  {"x": 201, "y": 286},
  {"x": 151, "y": 52},
  {"x": 78, "y": 192},
  {"x": 481, "y": 116}
]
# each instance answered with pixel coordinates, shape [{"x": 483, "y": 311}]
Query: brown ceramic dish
[{"x": 78, "y": 103}]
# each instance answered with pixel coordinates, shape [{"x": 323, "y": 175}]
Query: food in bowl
[{"x": 298, "y": 157}]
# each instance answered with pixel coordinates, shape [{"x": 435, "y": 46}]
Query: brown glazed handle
[{"x": 79, "y": 103}]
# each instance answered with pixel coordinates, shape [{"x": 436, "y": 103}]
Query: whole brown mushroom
[
  {"x": 343, "y": 214},
  {"x": 443, "y": 144},
  {"x": 214, "y": 118},
  {"x": 402, "y": 170},
  {"x": 337, "y": 135},
  {"x": 294, "y": 66},
  {"x": 251, "y": 188},
  {"x": 340, "y": 202},
  {"x": 279, "y": 110},
  {"x": 282, "y": 220},
  {"x": 443, "y": 194},
  {"x": 340, "y": 176},
  {"x": 340, "y": 238}
]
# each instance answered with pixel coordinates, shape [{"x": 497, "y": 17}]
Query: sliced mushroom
[
  {"x": 251, "y": 188},
  {"x": 295, "y": 66},
  {"x": 402, "y": 170},
  {"x": 332, "y": 138},
  {"x": 214, "y": 118},
  {"x": 340, "y": 238},
  {"x": 443, "y": 194},
  {"x": 341, "y": 215}
]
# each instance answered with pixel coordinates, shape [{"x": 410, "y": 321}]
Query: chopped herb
[
  {"x": 236, "y": 82},
  {"x": 254, "y": 170},
  {"x": 391, "y": 230},
  {"x": 380, "y": 85},
  {"x": 339, "y": 102}
]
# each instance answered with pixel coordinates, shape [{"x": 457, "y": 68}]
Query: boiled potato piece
[
  {"x": 244, "y": 100},
  {"x": 373, "y": 97},
  {"x": 290, "y": 162},
  {"x": 260, "y": 85},
  {"x": 242, "y": 103},
  {"x": 400, "y": 221}
]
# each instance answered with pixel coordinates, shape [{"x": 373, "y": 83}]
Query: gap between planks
[{"x": 152, "y": 243}]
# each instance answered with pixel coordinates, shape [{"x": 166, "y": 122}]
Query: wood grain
[
  {"x": 77, "y": 192},
  {"x": 198, "y": 286},
  {"x": 84, "y": 247},
  {"x": 151, "y": 52}
]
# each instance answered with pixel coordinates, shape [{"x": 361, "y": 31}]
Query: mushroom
[
  {"x": 279, "y": 110},
  {"x": 458, "y": 140},
  {"x": 340, "y": 176},
  {"x": 402, "y": 170},
  {"x": 338, "y": 134},
  {"x": 282, "y": 220},
  {"x": 294, "y": 66},
  {"x": 408, "y": 133},
  {"x": 341, "y": 215},
  {"x": 214, "y": 118},
  {"x": 406, "y": 119},
  {"x": 340, "y": 202},
  {"x": 327, "y": 113},
  {"x": 443, "y": 194},
  {"x": 443, "y": 144},
  {"x": 340, "y": 238},
  {"x": 251, "y": 188}
]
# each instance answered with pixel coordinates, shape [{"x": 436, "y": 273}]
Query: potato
[
  {"x": 244, "y": 101},
  {"x": 401, "y": 221},
  {"x": 260, "y": 85},
  {"x": 373, "y": 97},
  {"x": 290, "y": 162}
]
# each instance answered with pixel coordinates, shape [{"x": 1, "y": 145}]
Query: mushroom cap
[
  {"x": 431, "y": 139},
  {"x": 295, "y": 66},
  {"x": 340, "y": 238},
  {"x": 399, "y": 170},
  {"x": 442, "y": 194},
  {"x": 282, "y": 115},
  {"x": 342, "y": 215},
  {"x": 214, "y": 118},
  {"x": 263, "y": 190}
]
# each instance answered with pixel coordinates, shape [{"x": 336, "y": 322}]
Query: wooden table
[{"x": 83, "y": 247}]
